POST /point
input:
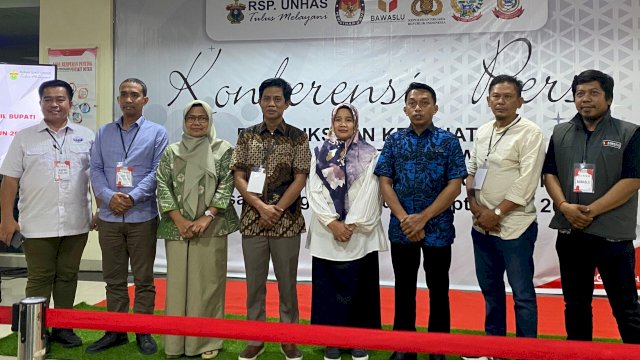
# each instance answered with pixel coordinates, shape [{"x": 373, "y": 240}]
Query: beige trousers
[{"x": 196, "y": 282}]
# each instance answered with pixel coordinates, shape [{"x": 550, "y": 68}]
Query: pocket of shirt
[
  {"x": 438, "y": 155},
  {"x": 80, "y": 154},
  {"x": 80, "y": 149},
  {"x": 39, "y": 153},
  {"x": 40, "y": 157},
  {"x": 37, "y": 150}
]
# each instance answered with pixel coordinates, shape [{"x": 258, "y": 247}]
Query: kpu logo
[{"x": 349, "y": 12}]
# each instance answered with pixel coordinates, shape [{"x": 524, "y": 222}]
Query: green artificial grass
[{"x": 8, "y": 346}]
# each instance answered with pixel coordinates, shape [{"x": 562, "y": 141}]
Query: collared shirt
[
  {"x": 50, "y": 208},
  {"x": 514, "y": 162},
  {"x": 284, "y": 153},
  {"x": 421, "y": 167},
  {"x": 143, "y": 143}
]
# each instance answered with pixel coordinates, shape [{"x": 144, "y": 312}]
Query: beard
[{"x": 593, "y": 118}]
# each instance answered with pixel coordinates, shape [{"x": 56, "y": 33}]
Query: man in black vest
[{"x": 592, "y": 173}]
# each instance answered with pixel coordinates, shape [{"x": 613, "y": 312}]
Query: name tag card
[
  {"x": 584, "y": 178},
  {"x": 257, "y": 179},
  {"x": 124, "y": 175},
  {"x": 478, "y": 179},
  {"x": 62, "y": 170}
]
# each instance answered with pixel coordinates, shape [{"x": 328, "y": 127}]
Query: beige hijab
[{"x": 197, "y": 153}]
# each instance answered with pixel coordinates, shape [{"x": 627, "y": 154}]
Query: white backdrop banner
[
  {"x": 173, "y": 45},
  {"x": 309, "y": 19}
]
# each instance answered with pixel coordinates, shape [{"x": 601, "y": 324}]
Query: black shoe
[
  {"x": 65, "y": 337},
  {"x": 359, "y": 354},
  {"x": 146, "y": 344},
  {"x": 436, "y": 357},
  {"x": 332, "y": 353},
  {"x": 109, "y": 340},
  {"x": 403, "y": 356}
]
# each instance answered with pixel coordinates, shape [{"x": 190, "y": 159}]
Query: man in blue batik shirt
[{"x": 421, "y": 170}]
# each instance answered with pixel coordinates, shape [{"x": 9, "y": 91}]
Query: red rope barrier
[{"x": 336, "y": 336}]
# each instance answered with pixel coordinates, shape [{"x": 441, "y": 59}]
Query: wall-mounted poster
[{"x": 78, "y": 68}]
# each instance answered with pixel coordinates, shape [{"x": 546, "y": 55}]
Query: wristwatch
[
  {"x": 497, "y": 211},
  {"x": 210, "y": 214}
]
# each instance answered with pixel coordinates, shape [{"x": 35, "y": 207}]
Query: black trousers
[
  {"x": 406, "y": 263},
  {"x": 580, "y": 254},
  {"x": 346, "y": 293}
]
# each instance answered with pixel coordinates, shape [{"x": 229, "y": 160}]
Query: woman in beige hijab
[{"x": 194, "y": 195}]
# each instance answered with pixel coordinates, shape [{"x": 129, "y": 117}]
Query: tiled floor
[{"x": 90, "y": 292}]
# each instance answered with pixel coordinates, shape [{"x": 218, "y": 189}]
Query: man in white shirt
[
  {"x": 49, "y": 163},
  {"x": 504, "y": 173}
]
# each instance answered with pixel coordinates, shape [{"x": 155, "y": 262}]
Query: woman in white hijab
[
  {"x": 345, "y": 232},
  {"x": 194, "y": 194}
]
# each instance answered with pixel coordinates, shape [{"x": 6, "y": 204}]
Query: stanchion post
[{"x": 31, "y": 329}]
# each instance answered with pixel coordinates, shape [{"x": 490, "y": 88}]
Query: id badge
[
  {"x": 257, "y": 178},
  {"x": 481, "y": 174},
  {"x": 584, "y": 177},
  {"x": 62, "y": 170},
  {"x": 124, "y": 175}
]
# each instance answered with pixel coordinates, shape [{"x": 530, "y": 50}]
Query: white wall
[{"x": 79, "y": 24}]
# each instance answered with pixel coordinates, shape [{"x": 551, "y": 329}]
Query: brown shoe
[
  {"x": 251, "y": 352},
  {"x": 291, "y": 352}
]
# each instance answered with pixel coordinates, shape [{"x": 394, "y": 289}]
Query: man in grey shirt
[{"x": 592, "y": 173}]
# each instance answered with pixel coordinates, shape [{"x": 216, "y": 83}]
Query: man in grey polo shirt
[{"x": 50, "y": 163}]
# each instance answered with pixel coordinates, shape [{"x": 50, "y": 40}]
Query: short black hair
[
  {"x": 517, "y": 84},
  {"x": 56, "y": 83},
  {"x": 136, "y": 81},
  {"x": 420, "y": 86},
  {"x": 606, "y": 82},
  {"x": 277, "y": 82}
]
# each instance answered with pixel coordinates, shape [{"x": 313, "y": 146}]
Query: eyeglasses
[{"x": 203, "y": 119}]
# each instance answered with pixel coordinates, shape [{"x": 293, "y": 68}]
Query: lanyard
[
  {"x": 489, "y": 149},
  {"x": 126, "y": 150},
  {"x": 57, "y": 145}
]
